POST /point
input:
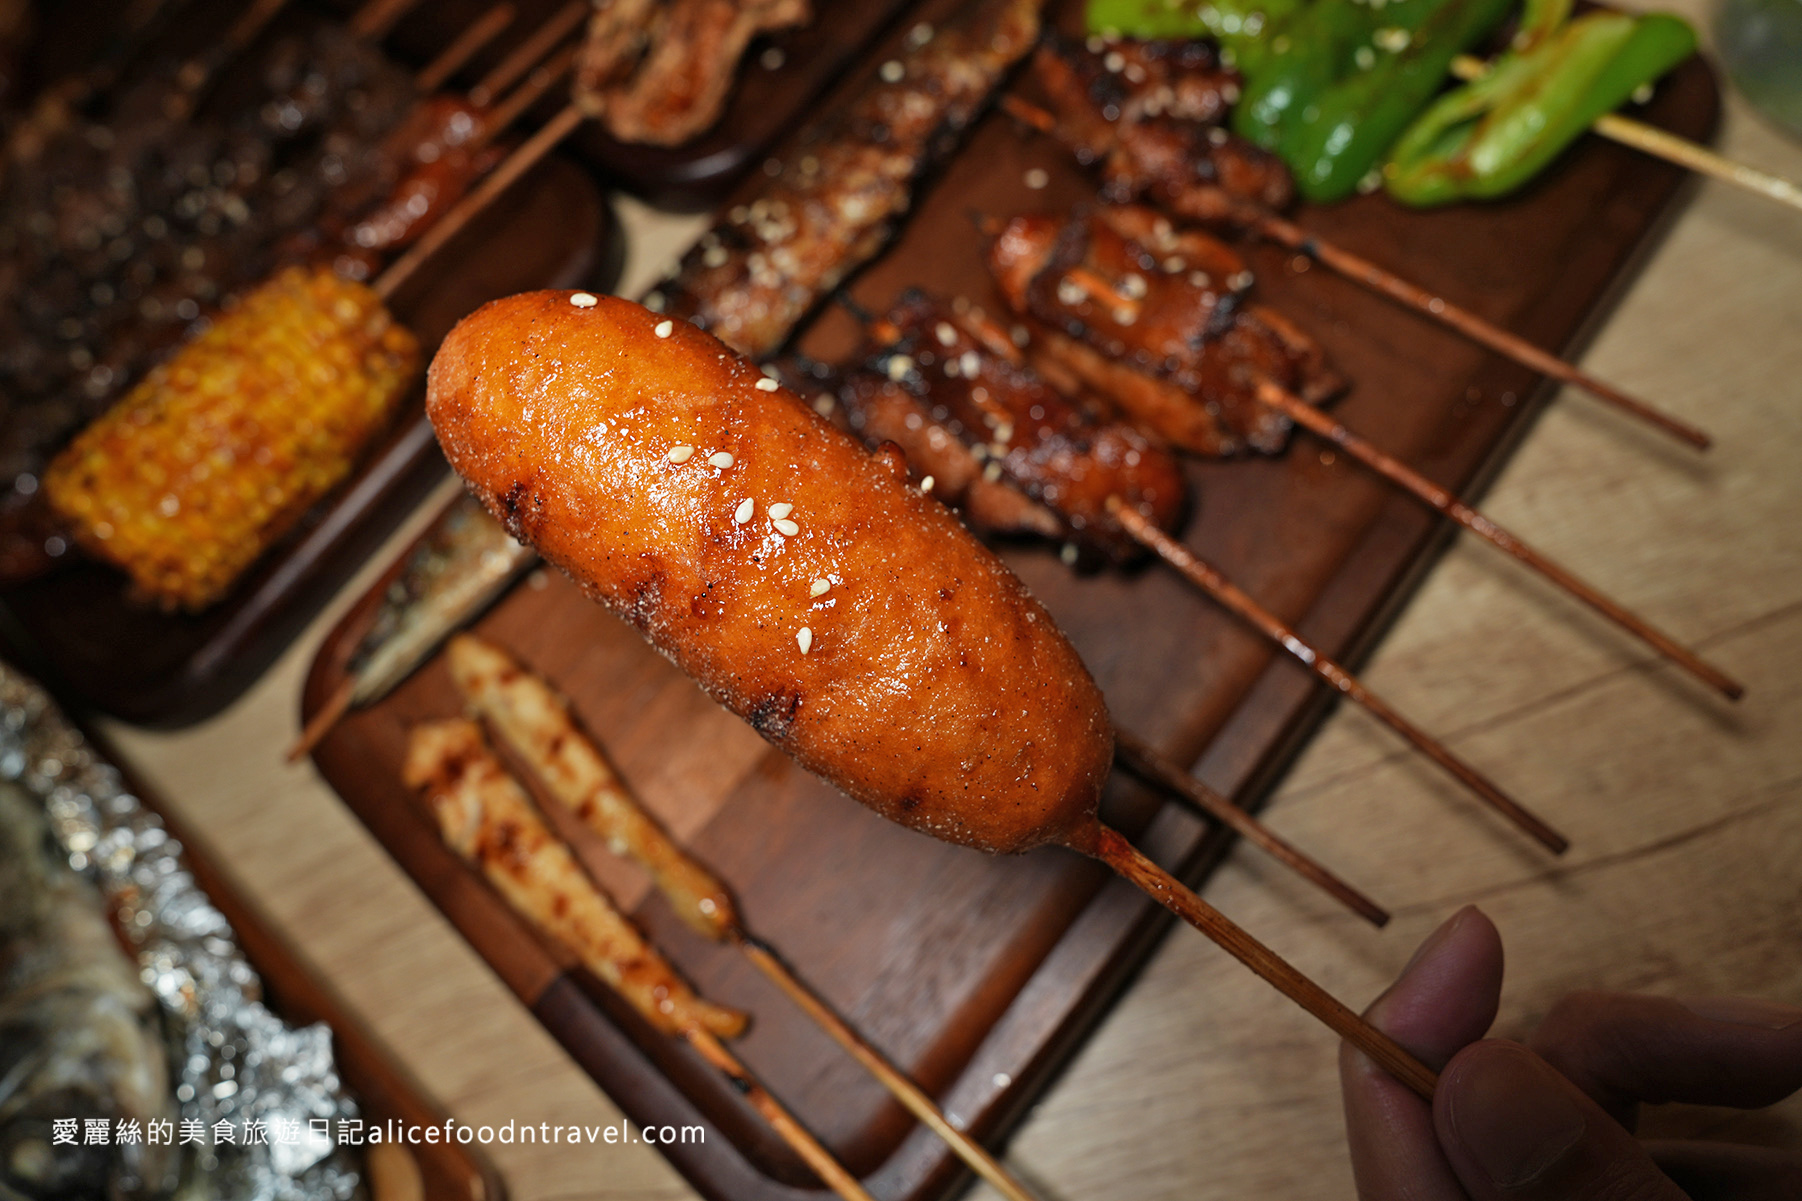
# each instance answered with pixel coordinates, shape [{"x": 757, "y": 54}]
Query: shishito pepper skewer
[
  {"x": 1661, "y": 143},
  {"x": 535, "y": 723}
]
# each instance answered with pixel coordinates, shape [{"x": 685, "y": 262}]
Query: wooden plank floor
[{"x": 1686, "y": 812}]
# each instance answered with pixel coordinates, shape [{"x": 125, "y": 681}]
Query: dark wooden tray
[
  {"x": 765, "y": 104},
  {"x": 293, "y": 989},
  {"x": 980, "y": 975}
]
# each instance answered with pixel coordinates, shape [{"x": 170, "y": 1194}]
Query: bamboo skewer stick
[
  {"x": 827, "y": 1168},
  {"x": 1399, "y": 473},
  {"x": 1209, "y": 579},
  {"x": 1662, "y": 144},
  {"x": 1100, "y": 842},
  {"x": 466, "y": 46},
  {"x": 527, "y": 156},
  {"x": 1314, "y": 420},
  {"x": 505, "y": 112},
  {"x": 521, "y": 58},
  {"x": 1480, "y": 330},
  {"x": 322, "y": 722},
  {"x": 877, "y": 1064},
  {"x": 376, "y": 18},
  {"x": 1144, "y": 761},
  {"x": 1360, "y": 270}
]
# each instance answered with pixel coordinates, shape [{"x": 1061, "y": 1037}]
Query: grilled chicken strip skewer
[
  {"x": 535, "y": 723},
  {"x": 1175, "y": 153},
  {"x": 985, "y": 401},
  {"x": 486, "y": 817},
  {"x": 704, "y": 503},
  {"x": 1081, "y": 280}
]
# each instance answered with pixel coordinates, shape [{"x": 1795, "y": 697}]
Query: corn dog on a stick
[
  {"x": 486, "y": 817},
  {"x": 217, "y": 453}
]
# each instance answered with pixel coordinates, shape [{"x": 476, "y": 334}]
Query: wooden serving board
[
  {"x": 77, "y": 629},
  {"x": 978, "y": 975},
  {"x": 294, "y": 991},
  {"x": 771, "y": 96}
]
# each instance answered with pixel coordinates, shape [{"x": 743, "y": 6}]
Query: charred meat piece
[
  {"x": 883, "y": 411},
  {"x": 1170, "y": 308},
  {"x": 659, "y": 73},
  {"x": 841, "y": 190},
  {"x": 968, "y": 377},
  {"x": 1148, "y": 113}
]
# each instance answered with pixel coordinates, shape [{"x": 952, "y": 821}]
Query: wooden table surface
[{"x": 1685, "y": 810}]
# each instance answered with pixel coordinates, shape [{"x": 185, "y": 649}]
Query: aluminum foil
[{"x": 231, "y": 1059}]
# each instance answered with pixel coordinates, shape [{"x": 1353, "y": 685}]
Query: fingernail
[
  {"x": 1437, "y": 938},
  {"x": 1513, "y": 1115},
  {"x": 1744, "y": 1011}
]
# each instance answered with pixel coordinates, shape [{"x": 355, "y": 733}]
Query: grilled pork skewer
[
  {"x": 1081, "y": 279},
  {"x": 535, "y": 723},
  {"x": 1178, "y": 155},
  {"x": 923, "y": 680},
  {"x": 486, "y": 817},
  {"x": 846, "y": 184},
  {"x": 907, "y": 393},
  {"x": 659, "y": 74}
]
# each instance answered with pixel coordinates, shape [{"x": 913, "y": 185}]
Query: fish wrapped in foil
[{"x": 110, "y": 1029}]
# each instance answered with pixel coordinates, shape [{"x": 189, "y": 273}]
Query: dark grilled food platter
[
  {"x": 79, "y": 626},
  {"x": 978, "y": 976}
]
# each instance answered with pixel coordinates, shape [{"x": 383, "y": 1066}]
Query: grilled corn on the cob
[{"x": 218, "y": 452}]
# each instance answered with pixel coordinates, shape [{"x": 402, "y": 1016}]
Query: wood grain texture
[{"x": 1684, "y": 810}]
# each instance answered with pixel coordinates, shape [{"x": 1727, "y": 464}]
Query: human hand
[{"x": 1554, "y": 1119}]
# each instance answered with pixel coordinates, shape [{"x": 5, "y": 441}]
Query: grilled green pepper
[
  {"x": 1244, "y": 28},
  {"x": 1490, "y": 136},
  {"x": 1313, "y": 50},
  {"x": 1336, "y": 138}
]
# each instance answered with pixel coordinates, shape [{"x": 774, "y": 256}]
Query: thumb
[{"x": 1514, "y": 1128}]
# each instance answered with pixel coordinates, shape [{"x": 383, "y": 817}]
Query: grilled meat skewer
[
  {"x": 1089, "y": 300},
  {"x": 845, "y": 185},
  {"x": 1127, "y": 522},
  {"x": 1117, "y": 103}
]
